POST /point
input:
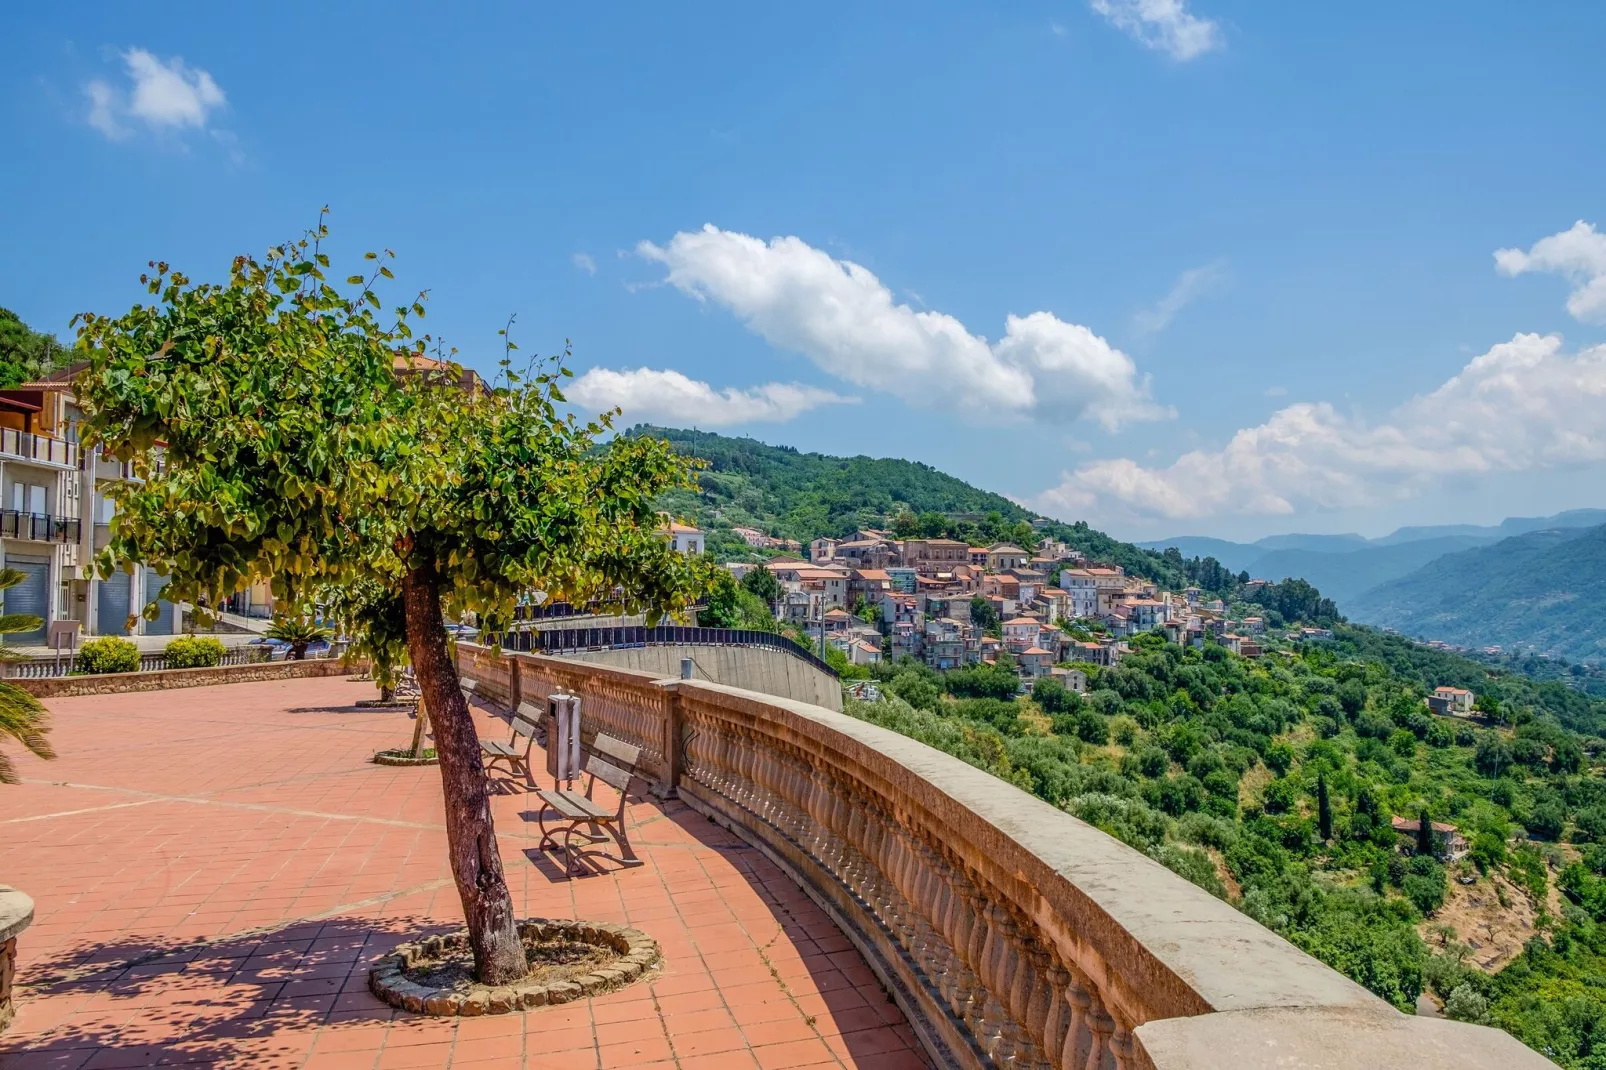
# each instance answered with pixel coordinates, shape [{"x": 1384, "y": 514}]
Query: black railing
[
  {"x": 40, "y": 527},
  {"x": 569, "y": 639}
]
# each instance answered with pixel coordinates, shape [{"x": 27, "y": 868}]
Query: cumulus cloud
[
  {"x": 840, "y": 316},
  {"x": 1578, "y": 255},
  {"x": 1523, "y": 405},
  {"x": 669, "y": 396},
  {"x": 1190, "y": 286},
  {"x": 161, "y": 96},
  {"x": 1164, "y": 25}
]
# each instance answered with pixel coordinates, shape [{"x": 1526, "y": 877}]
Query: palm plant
[
  {"x": 299, "y": 631},
  {"x": 21, "y": 716}
]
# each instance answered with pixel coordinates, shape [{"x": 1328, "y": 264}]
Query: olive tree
[{"x": 311, "y": 442}]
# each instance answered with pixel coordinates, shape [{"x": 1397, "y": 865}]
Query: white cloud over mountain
[
  {"x": 668, "y": 396},
  {"x": 162, "y": 96},
  {"x": 1578, "y": 254},
  {"x": 844, "y": 319},
  {"x": 1164, "y": 25},
  {"x": 1523, "y": 405}
]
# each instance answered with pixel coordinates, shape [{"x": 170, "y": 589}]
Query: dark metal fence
[
  {"x": 570, "y": 639},
  {"x": 40, "y": 527}
]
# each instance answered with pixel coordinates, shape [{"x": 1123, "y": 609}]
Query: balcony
[
  {"x": 38, "y": 449},
  {"x": 107, "y": 467},
  {"x": 38, "y": 527}
]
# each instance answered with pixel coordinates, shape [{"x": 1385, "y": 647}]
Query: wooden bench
[
  {"x": 613, "y": 762},
  {"x": 516, "y": 757}
]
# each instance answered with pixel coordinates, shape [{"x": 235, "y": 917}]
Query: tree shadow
[
  {"x": 247, "y": 998},
  {"x": 853, "y": 1002}
]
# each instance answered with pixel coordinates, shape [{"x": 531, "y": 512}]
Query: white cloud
[
  {"x": 1579, "y": 255},
  {"x": 669, "y": 396},
  {"x": 840, "y": 316},
  {"x": 1276, "y": 391},
  {"x": 1190, "y": 286},
  {"x": 163, "y": 96},
  {"x": 1163, "y": 25},
  {"x": 1523, "y": 405},
  {"x": 584, "y": 262}
]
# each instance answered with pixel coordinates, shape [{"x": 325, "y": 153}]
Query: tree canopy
[{"x": 311, "y": 441}]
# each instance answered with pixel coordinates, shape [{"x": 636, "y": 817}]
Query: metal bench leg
[
  {"x": 627, "y": 854},
  {"x": 547, "y": 837}
]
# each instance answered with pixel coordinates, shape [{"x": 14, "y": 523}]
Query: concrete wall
[{"x": 753, "y": 668}]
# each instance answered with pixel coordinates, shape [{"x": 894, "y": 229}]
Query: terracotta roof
[
  {"x": 872, "y": 574},
  {"x": 1024, "y": 620},
  {"x": 1411, "y": 824},
  {"x": 1036, "y": 650}
]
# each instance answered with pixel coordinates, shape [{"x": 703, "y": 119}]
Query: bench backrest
[
  {"x": 468, "y": 687},
  {"x": 523, "y": 727},
  {"x": 613, "y": 761}
]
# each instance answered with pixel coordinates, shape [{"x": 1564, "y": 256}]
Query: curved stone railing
[{"x": 1010, "y": 933}]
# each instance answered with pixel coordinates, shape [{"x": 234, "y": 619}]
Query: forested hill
[
  {"x": 804, "y": 496},
  {"x": 1539, "y": 590}
]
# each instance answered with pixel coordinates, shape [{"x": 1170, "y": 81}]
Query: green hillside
[
  {"x": 1539, "y": 590},
  {"x": 1272, "y": 782}
]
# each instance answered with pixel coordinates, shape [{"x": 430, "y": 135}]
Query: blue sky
[{"x": 1249, "y": 249}]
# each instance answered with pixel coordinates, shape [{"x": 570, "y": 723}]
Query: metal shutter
[
  {"x": 166, "y": 615},
  {"x": 32, "y": 595},
  {"x": 113, "y": 605}
]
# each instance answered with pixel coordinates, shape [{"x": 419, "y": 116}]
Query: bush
[
  {"x": 194, "y": 652},
  {"x": 1465, "y": 1005},
  {"x": 108, "y": 654}
]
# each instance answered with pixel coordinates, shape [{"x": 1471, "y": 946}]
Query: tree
[
  {"x": 1424, "y": 835},
  {"x": 1324, "y": 808},
  {"x": 21, "y": 716},
  {"x": 311, "y": 444},
  {"x": 376, "y": 620},
  {"x": 761, "y": 581},
  {"x": 24, "y": 353},
  {"x": 982, "y": 614}
]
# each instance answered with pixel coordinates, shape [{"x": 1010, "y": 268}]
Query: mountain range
[
  {"x": 1344, "y": 567},
  {"x": 1540, "y": 590}
]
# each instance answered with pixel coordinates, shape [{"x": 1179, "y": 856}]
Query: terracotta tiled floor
[{"x": 216, "y": 868}]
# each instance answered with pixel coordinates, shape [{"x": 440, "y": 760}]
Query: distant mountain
[
  {"x": 1324, "y": 544},
  {"x": 1541, "y": 590},
  {"x": 1516, "y": 525},
  {"x": 1235, "y": 556},
  {"x": 1345, "y": 566},
  {"x": 1343, "y": 576}
]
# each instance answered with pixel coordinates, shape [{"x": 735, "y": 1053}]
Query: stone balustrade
[{"x": 1010, "y": 933}]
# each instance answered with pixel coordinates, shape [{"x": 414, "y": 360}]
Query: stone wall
[
  {"x": 122, "y": 682},
  {"x": 16, "y": 914},
  {"x": 1009, "y": 932}
]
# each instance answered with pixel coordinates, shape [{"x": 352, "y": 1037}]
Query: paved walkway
[{"x": 216, "y": 868}]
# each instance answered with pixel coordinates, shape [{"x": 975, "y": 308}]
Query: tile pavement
[{"x": 216, "y": 868}]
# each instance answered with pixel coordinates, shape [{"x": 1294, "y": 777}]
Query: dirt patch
[
  {"x": 1495, "y": 931},
  {"x": 549, "y": 962}
]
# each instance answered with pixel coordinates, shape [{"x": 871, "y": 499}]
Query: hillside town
[{"x": 873, "y": 596}]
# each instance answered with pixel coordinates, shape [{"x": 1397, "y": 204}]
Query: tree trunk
[{"x": 470, "y": 834}]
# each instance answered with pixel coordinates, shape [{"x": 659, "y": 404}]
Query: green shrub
[
  {"x": 194, "y": 652},
  {"x": 108, "y": 654}
]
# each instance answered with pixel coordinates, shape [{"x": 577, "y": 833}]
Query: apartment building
[{"x": 57, "y": 512}]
